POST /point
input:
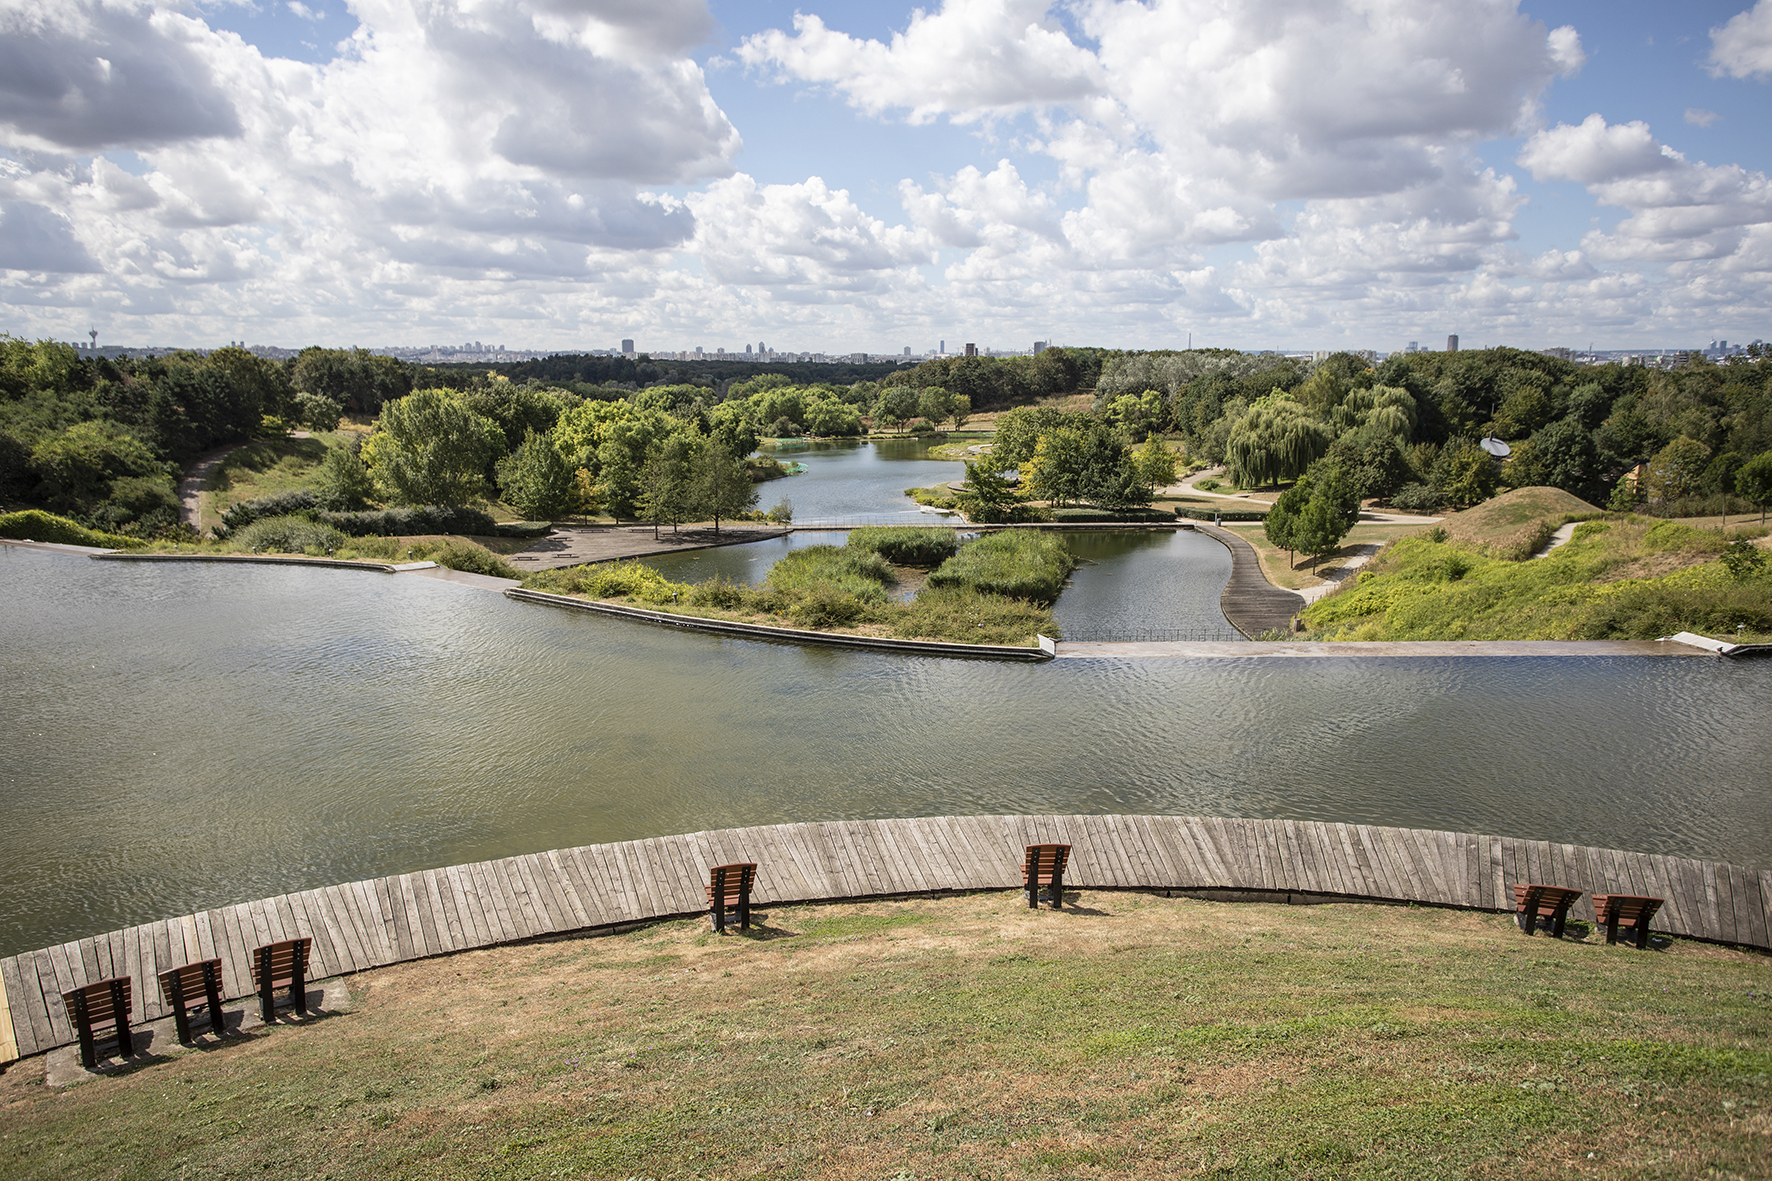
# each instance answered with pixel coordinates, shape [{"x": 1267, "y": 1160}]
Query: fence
[{"x": 1202, "y": 634}]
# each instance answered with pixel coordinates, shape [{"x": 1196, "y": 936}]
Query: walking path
[
  {"x": 575, "y": 545},
  {"x": 190, "y": 489},
  {"x": 1563, "y": 535},
  {"x": 1250, "y": 602},
  {"x": 1347, "y": 565},
  {"x": 1186, "y": 487},
  {"x": 599, "y": 888}
]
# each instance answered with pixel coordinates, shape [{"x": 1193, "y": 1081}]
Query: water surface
[{"x": 174, "y": 737}]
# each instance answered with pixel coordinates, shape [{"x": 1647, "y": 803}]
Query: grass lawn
[
  {"x": 1134, "y": 1036},
  {"x": 1274, "y": 563}
]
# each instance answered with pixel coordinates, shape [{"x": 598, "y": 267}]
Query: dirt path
[
  {"x": 190, "y": 489},
  {"x": 576, "y": 545}
]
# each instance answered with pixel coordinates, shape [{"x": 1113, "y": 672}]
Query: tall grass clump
[
  {"x": 1019, "y": 563},
  {"x": 289, "y": 535},
  {"x": 610, "y": 580},
  {"x": 460, "y": 555},
  {"x": 906, "y": 545},
  {"x": 834, "y": 568},
  {"x": 965, "y": 616}
]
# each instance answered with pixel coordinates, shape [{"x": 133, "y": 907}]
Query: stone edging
[{"x": 792, "y": 635}]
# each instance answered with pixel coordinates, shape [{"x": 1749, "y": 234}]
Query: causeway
[{"x": 597, "y": 888}]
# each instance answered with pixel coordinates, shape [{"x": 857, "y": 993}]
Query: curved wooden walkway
[
  {"x": 369, "y": 924},
  {"x": 1250, "y": 602}
]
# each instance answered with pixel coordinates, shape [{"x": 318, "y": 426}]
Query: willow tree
[{"x": 1275, "y": 440}]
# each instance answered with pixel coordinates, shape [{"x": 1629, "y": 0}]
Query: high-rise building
[
  {"x": 1452, "y": 343},
  {"x": 971, "y": 349},
  {"x": 747, "y": 349},
  {"x": 627, "y": 348},
  {"x": 942, "y": 348},
  {"x": 907, "y": 350},
  {"x": 1039, "y": 347},
  {"x": 1414, "y": 347}
]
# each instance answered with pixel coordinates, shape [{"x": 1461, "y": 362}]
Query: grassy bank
[
  {"x": 1619, "y": 578},
  {"x": 1131, "y": 1037}
]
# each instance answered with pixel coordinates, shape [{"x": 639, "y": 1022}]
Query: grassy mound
[
  {"x": 906, "y": 545},
  {"x": 1516, "y": 524},
  {"x": 1018, "y": 563},
  {"x": 1630, "y": 578},
  {"x": 832, "y": 569},
  {"x": 1132, "y": 1037},
  {"x": 36, "y": 525}
]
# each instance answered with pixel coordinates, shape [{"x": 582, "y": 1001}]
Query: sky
[{"x": 870, "y": 176}]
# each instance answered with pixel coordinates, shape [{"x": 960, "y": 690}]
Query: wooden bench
[
  {"x": 1550, "y": 903},
  {"x": 278, "y": 964},
  {"x": 1044, "y": 866},
  {"x": 94, "y": 1008},
  {"x": 185, "y": 988},
  {"x": 729, "y": 888},
  {"x": 1632, "y": 911}
]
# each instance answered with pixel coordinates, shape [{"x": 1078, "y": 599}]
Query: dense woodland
[{"x": 102, "y": 441}]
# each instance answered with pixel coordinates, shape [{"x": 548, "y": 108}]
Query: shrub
[
  {"x": 428, "y": 518},
  {"x": 719, "y": 592},
  {"x": 1080, "y": 516},
  {"x": 278, "y": 504},
  {"x": 37, "y": 525},
  {"x": 1021, "y": 563},
  {"x": 1649, "y": 610},
  {"x": 611, "y": 580},
  {"x": 524, "y": 529},
  {"x": 830, "y": 567},
  {"x": 961, "y": 615},
  {"x": 825, "y": 607},
  {"x": 1416, "y": 498},
  {"x": 906, "y": 545},
  {"x": 290, "y": 535},
  {"x": 459, "y": 555}
]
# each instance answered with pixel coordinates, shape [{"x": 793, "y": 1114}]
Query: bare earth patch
[{"x": 1126, "y": 1036}]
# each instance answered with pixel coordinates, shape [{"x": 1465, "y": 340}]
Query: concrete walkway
[
  {"x": 1186, "y": 487},
  {"x": 1348, "y": 564},
  {"x": 1561, "y": 537},
  {"x": 576, "y": 545}
]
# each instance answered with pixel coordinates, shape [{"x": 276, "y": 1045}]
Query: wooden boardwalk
[
  {"x": 1250, "y": 602},
  {"x": 368, "y": 924}
]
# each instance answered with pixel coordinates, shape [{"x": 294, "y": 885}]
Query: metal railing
[{"x": 1204, "y": 634}]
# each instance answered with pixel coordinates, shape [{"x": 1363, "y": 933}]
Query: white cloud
[
  {"x": 1699, "y": 117},
  {"x": 1742, "y": 48}
]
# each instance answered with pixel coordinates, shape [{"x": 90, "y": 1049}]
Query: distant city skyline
[{"x": 1121, "y": 172}]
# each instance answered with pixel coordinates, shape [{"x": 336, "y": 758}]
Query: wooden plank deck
[{"x": 359, "y": 925}]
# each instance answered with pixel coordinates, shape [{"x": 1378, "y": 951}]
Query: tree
[
  {"x": 356, "y": 379},
  {"x": 1156, "y": 464},
  {"x": 1321, "y": 526},
  {"x": 934, "y": 403},
  {"x": 317, "y": 412},
  {"x": 1281, "y": 523},
  {"x": 1677, "y": 471},
  {"x": 829, "y": 417},
  {"x": 989, "y": 498},
  {"x": 667, "y": 483},
  {"x": 734, "y": 424},
  {"x": 429, "y": 448},
  {"x": 896, "y": 406},
  {"x": 1753, "y": 481},
  {"x": 1274, "y": 441},
  {"x": 343, "y": 484},
  {"x": 1018, "y": 433},
  {"x": 535, "y": 480},
  {"x": 960, "y": 409},
  {"x": 1464, "y": 474},
  {"x": 722, "y": 486}
]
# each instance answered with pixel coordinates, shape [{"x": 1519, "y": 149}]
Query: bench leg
[
  {"x": 267, "y": 997},
  {"x": 180, "y": 1018},
  {"x": 1033, "y": 890},
  {"x": 212, "y": 993},
  {"x": 1612, "y": 928},
  {"x": 125, "y": 1039},
  {"x": 1559, "y": 919},
  {"x": 1642, "y": 934},
  {"x": 1528, "y": 916},
  {"x": 1058, "y": 889},
  {"x": 744, "y": 910},
  {"x": 83, "y": 1023},
  {"x": 717, "y": 912},
  {"x": 298, "y": 985}
]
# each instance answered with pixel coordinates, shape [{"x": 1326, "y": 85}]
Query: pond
[
  {"x": 847, "y": 479},
  {"x": 174, "y": 737}
]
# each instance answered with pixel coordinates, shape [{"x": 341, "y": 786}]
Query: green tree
[
  {"x": 1753, "y": 482},
  {"x": 1274, "y": 441},
  {"x": 667, "y": 482},
  {"x": 343, "y": 483},
  {"x": 989, "y": 497},
  {"x": 1281, "y": 523},
  {"x": 934, "y": 403},
  {"x": 1677, "y": 471},
  {"x": 1018, "y": 433},
  {"x": 356, "y": 379},
  {"x": 831, "y": 418},
  {"x": 429, "y": 448},
  {"x": 317, "y": 412},
  {"x": 1156, "y": 464},
  {"x": 896, "y": 406},
  {"x": 734, "y": 424},
  {"x": 960, "y": 409},
  {"x": 535, "y": 479},
  {"x": 75, "y": 467},
  {"x": 1321, "y": 526},
  {"x": 722, "y": 486},
  {"x": 1464, "y": 474}
]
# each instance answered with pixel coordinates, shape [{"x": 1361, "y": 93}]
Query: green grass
[
  {"x": 906, "y": 545},
  {"x": 1130, "y": 1037},
  {"x": 1517, "y": 524},
  {"x": 1017, "y": 563},
  {"x": 36, "y": 525},
  {"x": 826, "y": 568},
  {"x": 1621, "y": 578}
]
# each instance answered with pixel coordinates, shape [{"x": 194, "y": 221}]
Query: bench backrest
[
  {"x": 731, "y": 882},
  {"x": 1550, "y": 898},
  {"x": 191, "y": 982},
  {"x": 1044, "y": 861},
  {"x": 284, "y": 958},
  {"x": 1628, "y": 907},
  {"x": 104, "y": 1000}
]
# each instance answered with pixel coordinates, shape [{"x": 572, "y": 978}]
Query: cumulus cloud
[
  {"x": 1742, "y": 47},
  {"x": 969, "y": 60},
  {"x": 36, "y": 238}
]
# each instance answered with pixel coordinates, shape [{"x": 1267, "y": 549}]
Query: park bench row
[{"x": 1535, "y": 903}]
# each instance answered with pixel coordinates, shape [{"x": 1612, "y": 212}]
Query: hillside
[{"x": 1516, "y": 523}]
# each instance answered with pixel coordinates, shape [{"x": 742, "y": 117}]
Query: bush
[
  {"x": 960, "y": 615},
  {"x": 1650, "y": 610},
  {"x": 1021, "y": 563},
  {"x": 278, "y": 504},
  {"x": 290, "y": 535},
  {"x": 1083, "y": 516},
  {"x": 611, "y": 580},
  {"x": 830, "y": 567},
  {"x": 1208, "y": 514},
  {"x": 1416, "y": 498},
  {"x": 721, "y": 593},
  {"x": 37, "y": 525},
  {"x": 525, "y": 529},
  {"x": 459, "y": 555},
  {"x": 906, "y": 545},
  {"x": 826, "y": 607},
  {"x": 428, "y": 518}
]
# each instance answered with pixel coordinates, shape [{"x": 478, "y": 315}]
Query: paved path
[
  {"x": 1415, "y": 649},
  {"x": 575, "y": 545},
  {"x": 1346, "y": 566},
  {"x": 1369, "y": 516},
  {"x": 1562, "y": 536},
  {"x": 1250, "y": 602},
  {"x": 602, "y": 888}
]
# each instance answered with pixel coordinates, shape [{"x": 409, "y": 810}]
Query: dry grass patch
[{"x": 1130, "y": 1037}]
